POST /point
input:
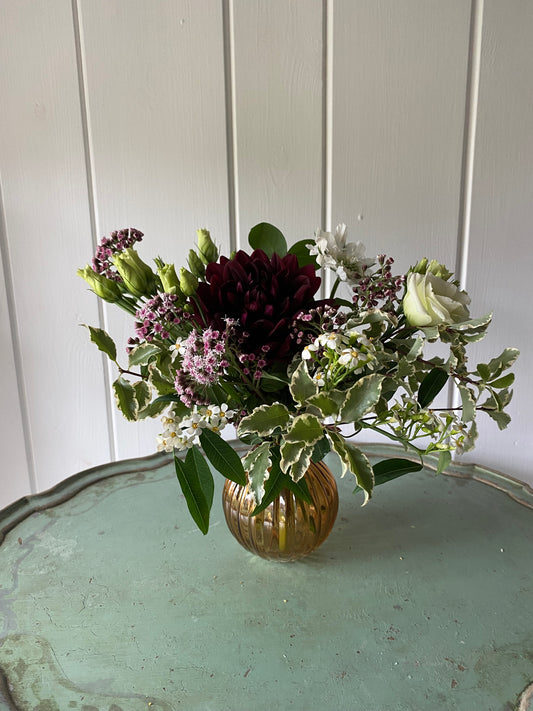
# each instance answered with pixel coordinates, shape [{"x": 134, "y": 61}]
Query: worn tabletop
[{"x": 112, "y": 600}]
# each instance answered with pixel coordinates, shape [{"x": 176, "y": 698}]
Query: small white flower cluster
[
  {"x": 337, "y": 353},
  {"x": 346, "y": 259},
  {"x": 182, "y": 433}
]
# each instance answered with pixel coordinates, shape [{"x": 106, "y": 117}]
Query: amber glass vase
[{"x": 288, "y": 528}]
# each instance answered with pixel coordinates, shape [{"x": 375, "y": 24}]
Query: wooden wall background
[{"x": 410, "y": 120}]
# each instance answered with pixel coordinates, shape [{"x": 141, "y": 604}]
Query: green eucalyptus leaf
[
  {"x": 264, "y": 420},
  {"x": 268, "y": 238},
  {"x": 142, "y": 354},
  {"x": 301, "y": 250},
  {"x": 197, "y": 485},
  {"x": 431, "y": 386},
  {"x": 104, "y": 342},
  {"x": 125, "y": 398},
  {"x": 361, "y": 397},
  {"x": 222, "y": 456}
]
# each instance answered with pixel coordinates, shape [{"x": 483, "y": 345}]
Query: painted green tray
[{"x": 112, "y": 600}]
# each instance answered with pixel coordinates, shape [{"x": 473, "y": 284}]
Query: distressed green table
[{"x": 111, "y": 600}]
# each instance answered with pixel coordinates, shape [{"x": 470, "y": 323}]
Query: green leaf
[
  {"x": 468, "y": 402},
  {"x": 483, "y": 371},
  {"x": 104, "y": 342},
  {"x": 222, "y": 456},
  {"x": 301, "y": 250},
  {"x": 299, "y": 489},
  {"x": 502, "y": 419},
  {"x": 290, "y": 453},
  {"x": 321, "y": 448},
  {"x": 327, "y": 403},
  {"x": 162, "y": 384},
  {"x": 390, "y": 469},
  {"x": 197, "y": 485},
  {"x": 154, "y": 409},
  {"x": 257, "y": 464},
  {"x": 143, "y": 394},
  {"x": 503, "y": 361},
  {"x": 353, "y": 459},
  {"x": 264, "y": 420},
  {"x": 301, "y": 465},
  {"x": 445, "y": 457},
  {"x": 361, "y": 397},
  {"x": 503, "y": 382},
  {"x": 431, "y": 386},
  {"x": 273, "y": 485},
  {"x": 268, "y": 238},
  {"x": 305, "y": 428},
  {"x": 125, "y": 398},
  {"x": 142, "y": 354},
  {"x": 415, "y": 350},
  {"x": 302, "y": 385}
]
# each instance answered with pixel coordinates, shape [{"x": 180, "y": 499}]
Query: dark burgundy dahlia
[{"x": 262, "y": 295}]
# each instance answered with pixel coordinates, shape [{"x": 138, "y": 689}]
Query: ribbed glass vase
[{"x": 288, "y": 528}]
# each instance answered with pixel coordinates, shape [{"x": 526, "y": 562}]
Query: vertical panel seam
[
  {"x": 469, "y": 145},
  {"x": 91, "y": 196},
  {"x": 17, "y": 350},
  {"x": 228, "y": 29},
  {"x": 327, "y": 126}
]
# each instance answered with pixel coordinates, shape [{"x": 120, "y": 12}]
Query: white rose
[{"x": 430, "y": 301}]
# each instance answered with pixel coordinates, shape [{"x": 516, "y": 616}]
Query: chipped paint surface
[{"x": 111, "y": 600}]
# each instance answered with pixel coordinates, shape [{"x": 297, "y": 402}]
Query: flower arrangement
[{"x": 244, "y": 340}]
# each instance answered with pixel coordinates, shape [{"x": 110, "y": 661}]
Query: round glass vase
[{"x": 288, "y": 528}]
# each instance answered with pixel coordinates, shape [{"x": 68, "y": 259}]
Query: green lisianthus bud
[
  {"x": 439, "y": 270},
  {"x": 188, "y": 282},
  {"x": 137, "y": 276},
  {"x": 169, "y": 279},
  {"x": 207, "y": 248},
  {"x": 421, "y": 267},
  {"x": 103, "y": 287},
  {"x": 196, "y": 265}
]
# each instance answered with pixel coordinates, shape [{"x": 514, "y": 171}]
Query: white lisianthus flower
[
  {"x": 332, "y": 250},
  {"x": 431, "y": 301}
]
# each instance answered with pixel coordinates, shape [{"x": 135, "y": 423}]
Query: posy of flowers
[{"x": 246, "y": 340}]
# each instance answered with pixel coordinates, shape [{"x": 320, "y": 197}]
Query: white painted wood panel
[
  {"x": 14, "y": 471},
  {"x": 500, "y": 264},
  {"x": 400, "y": 72},
  {"x": 278, "y": 115},
  {"x": 399, "y": 90},
  {"x": 157, "y": 122},
  {"x": 47, "y": 224}
]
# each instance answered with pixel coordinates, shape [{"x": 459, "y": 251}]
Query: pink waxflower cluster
[
  {"x": 109, "y": 246},
  {"x": 202, "y": 362},
  {"x": 156, "y": 319},
  {"x": 379, "y": 286}
]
